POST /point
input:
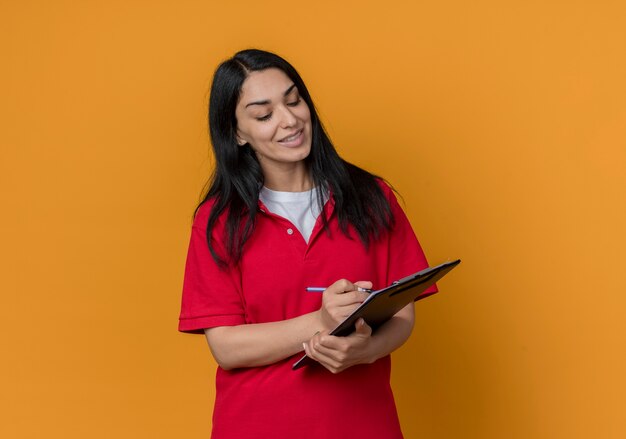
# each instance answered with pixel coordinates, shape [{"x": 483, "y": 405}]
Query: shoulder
[
  {"x": 384, "y": 185},
  {"x": 203, "y": 212},
  {"x": 219, "y": 217},
  {"x": 369, "y": 183},
  {"x": 201, "y": 235},
  {"x": 386, "y": 188}
]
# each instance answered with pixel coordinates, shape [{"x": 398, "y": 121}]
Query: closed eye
[{"x": 289, "y": 104}]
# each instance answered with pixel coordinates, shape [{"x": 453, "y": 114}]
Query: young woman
[{"x": 284, "y": 212}]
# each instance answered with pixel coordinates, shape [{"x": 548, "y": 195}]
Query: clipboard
[{"x": 382, "y": 304}]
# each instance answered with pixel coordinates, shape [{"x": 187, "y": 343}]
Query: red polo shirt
[{"x": 269, "y": 285}]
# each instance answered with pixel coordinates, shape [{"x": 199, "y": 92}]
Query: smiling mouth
[{"x": 292, "y": 137}]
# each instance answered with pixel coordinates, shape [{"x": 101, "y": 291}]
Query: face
[{"x": 274, "y": 120}]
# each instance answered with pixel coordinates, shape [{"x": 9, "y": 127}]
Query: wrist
[
  {"x": 318, "y": 321},
  {"x": 323, "y": 321},
  {"x": 375, "y": 349}
]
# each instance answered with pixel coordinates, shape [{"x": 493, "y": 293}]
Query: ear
[{"x": 240, "y": 141}]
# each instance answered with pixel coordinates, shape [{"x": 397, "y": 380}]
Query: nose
[{"x": 288, "y": 119}]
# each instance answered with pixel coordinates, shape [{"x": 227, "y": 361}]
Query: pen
[{"x": 321, "y": 289}]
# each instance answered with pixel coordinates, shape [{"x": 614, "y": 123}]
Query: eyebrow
[{"x": 267, "y": 101}]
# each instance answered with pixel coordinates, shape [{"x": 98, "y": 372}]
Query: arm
[
  {"x": 261, "y": 344},
  {"x": 361, "y": 347}
]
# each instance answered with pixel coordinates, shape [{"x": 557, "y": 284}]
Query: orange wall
[{"x": 503, "y": 124}]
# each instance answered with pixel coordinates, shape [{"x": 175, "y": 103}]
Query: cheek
[
  {"x": 259, "y": 133},
  {"x": 304, "y": 113},
  {"x": 266, "y": 131}
]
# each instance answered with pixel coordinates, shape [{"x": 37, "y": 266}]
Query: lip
[{"x": 295, "y": 141}]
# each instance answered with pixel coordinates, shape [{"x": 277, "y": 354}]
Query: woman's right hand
[{"x": 339, "y": 300}]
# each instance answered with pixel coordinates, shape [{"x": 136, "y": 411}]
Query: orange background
[{"x": 503, "y": 125}]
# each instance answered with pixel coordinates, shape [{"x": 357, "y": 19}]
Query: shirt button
[{"x": 290, "y": 231}]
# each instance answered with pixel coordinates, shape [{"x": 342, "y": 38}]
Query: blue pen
[{"x": 322, "y": 289}]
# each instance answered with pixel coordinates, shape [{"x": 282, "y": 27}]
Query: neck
[{"x": 296, "y": 179}]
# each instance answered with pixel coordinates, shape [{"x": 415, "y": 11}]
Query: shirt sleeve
[
  {"x": 211, "y": 295},
  {"x": 405, "y": 252}
]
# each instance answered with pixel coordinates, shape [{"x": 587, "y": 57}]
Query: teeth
[{"x": 290, "y": 138}]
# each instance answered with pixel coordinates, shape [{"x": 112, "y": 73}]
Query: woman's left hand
[{"x": 338, "y": 353}]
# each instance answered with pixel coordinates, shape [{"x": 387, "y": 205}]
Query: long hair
[{"x": 237, "y": 178}]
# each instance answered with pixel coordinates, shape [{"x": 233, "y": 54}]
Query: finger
[
  {"x": 330, "y": 342},
  {"x": 331, "y": 367},
  {"x": 341, "y": 286},
  {"x": 348, "y": 298},
  {"x": 329, "y": 354},
  {"x": 341, "y": 345},
  {"x": 345, "y": 310},
  {"x": 327, "y": 361},
  {"x": 364, "y": 284},
  {"x": 340, "y": 350},
  {"x": 307, "y": 350},
  {"x": 334, "y": 347},
  {"x": 316, "y": 337},
  {"x": 362, "y": 328}
]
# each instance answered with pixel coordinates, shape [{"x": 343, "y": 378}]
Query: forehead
[{"x": 264, "y": 84}]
